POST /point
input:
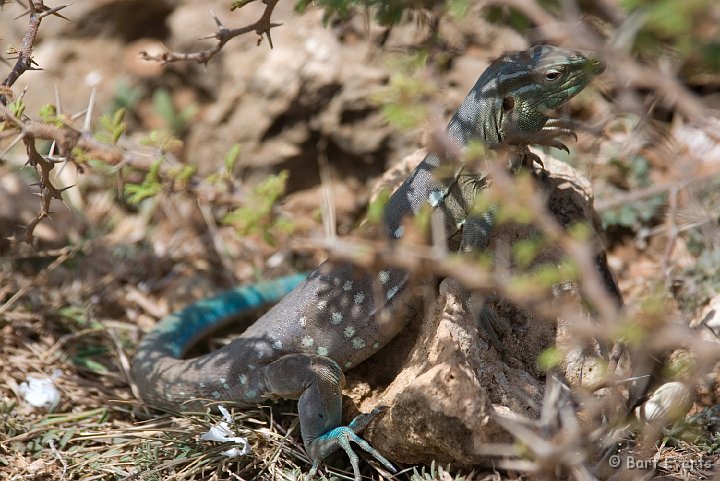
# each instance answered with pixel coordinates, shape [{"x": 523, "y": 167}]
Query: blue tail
[{"x": 180, "y": 330}]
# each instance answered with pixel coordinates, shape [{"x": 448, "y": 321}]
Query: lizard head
[{"x": 525, "y": 87}]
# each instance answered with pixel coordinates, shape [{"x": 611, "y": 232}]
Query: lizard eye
[
  {"x": 552, "y": 75},
  {"x": 508, "y": 103}
]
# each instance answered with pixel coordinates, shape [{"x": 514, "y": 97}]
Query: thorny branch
[
  {"x": 24, "y": 61},
  {"x": 43, "y": 166},
  {"x": 262, "y": 27}
]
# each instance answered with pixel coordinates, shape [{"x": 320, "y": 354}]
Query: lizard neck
[{"x": 478, "y": 118}]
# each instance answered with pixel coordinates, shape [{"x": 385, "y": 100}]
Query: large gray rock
[{"x": 444, "y": 383}]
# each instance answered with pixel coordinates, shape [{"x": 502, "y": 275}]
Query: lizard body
[{"x": 331, "y": 321}]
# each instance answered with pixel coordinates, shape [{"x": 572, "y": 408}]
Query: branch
[
  {"x": 24, "y": 62},
  {"x": 223, "y": 35}
]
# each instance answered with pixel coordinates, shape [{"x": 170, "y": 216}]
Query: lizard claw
[
  {"x": 550, "y": 132},
  {"x": 561, "y": 124},
  {"x": 341, "y": 436}
]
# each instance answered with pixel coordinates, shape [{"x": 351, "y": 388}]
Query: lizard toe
[{"x": 341, "y": 436}]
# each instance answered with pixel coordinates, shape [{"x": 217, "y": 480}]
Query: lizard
[{"x": 341, "y": 314}]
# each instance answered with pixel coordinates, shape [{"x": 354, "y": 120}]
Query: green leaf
[
  {"x": 17, "y": 108},
  {"x": 231, "y": 159},
  {"x": 112, "y": 127},
  {"x": 257, "y": 216},
  {"x": 150, "y": 187},
  {"x": 525, "y": 251},
  {"x": 90, "y": 364},
  {"x": 376, "y": 208},
  {"x": 549, "y": 359},
  {"x": 176, "y": 121},
  {"x": 458, "y": 8},
  {"x": 163, "y": 140}
]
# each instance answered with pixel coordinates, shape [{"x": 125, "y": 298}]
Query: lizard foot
[
  {"x": 549, "y": 134},
  {"x": 340, "y": 437},
  {"x": 489, "y": 322}
]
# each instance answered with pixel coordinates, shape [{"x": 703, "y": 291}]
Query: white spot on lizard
[
  {"x": 302, "y": 321},
  {"x": 435, "y": 198},
  {"x": 336, "y": 318},
  {"x": 321, "y": 305},
  {"x": 242, "y": 378},
  {"x": 359, "y": 298},
  {"x": 216, "y": 395},
  {"x": 277, "y": 345},
  {"x": 348, "y": 364},
  {"x": 399, "y": 231},
  {"x": 347, "y": 286},
  {"x": 349, "y": 332},
  {"x": 322, "y": 351},
  {"x": 358, "y": 343},
  {"x": 384, "y": 276},
  {"x": 307, "y": 341},
  {"x": 391, "y": 292}
]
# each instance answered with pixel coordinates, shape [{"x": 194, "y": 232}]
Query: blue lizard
[{"x": 331, "y": 320}]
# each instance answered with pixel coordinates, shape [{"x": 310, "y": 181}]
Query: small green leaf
[
  {"x": 257, "y": 216},
  {"x": 376, "y": 208},
  {"x": 231, "y": 159},
  {"x": 17, "y": 108},
  {"x": 549, "y": 359}
]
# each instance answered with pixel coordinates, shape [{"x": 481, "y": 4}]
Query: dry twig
[{"x": 223, "y": 34}]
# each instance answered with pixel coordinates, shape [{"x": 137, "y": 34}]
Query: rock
[
  {"x": 709, "y": 320},
  {"x": 707, "y": 325},
  {"x": 443, "y": 400},
  {"x": 311, "y": 95},
  {"x": 442, "y": 381},
  {"x": 122, "y": 19}
]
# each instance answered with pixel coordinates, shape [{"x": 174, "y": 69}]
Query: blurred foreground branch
[{"x": 223, "y": 34}]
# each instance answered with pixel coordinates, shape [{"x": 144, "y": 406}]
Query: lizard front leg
[{"x": 317, "y": 382}]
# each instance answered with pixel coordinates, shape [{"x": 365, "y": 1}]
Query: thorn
[
  {"x": 15, "y": 141},
  {"x": 22, "y": 14},
  {"x": 66, "y": 188},
  {"x": 90, "y": 107},
  {"x": 217, "y": 20},
  {"x": 62, "y": 167},
  {"x": 78, "y": 114},
  {"x": 53, "y": 11},
  {"x": 24, "y": 91},
  {"x": 267, "y": 33},
  {"x": 58, "y": 103}
]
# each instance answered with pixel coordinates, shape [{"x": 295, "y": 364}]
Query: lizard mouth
[{"x": 595, "y": 66}]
